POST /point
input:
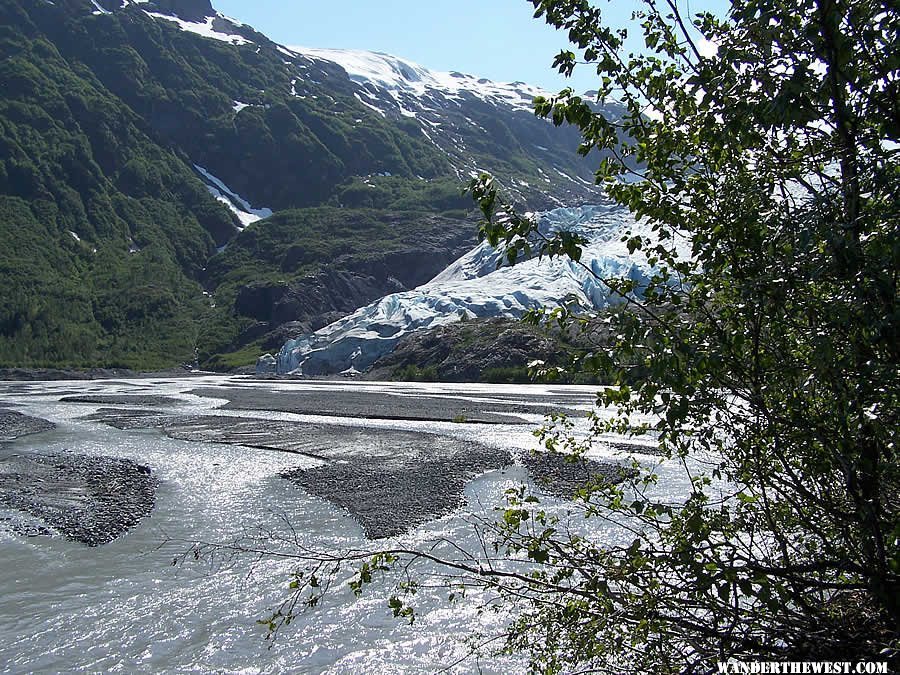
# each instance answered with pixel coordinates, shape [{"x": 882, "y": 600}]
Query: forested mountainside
[{"x": 146, "y": 145}]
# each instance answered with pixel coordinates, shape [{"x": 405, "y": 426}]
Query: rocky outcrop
[
  {"x": 287, "y": 310},
  {"x": 469, "y": 351},
  {"x": 314, "y": 300}
]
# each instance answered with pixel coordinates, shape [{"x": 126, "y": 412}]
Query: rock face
[
  {"x": 314, "y": 300},
  {"x": 285, "y": 310},
  {"x": 92, "y": 500},
  {"x": 469, "y": 351}
]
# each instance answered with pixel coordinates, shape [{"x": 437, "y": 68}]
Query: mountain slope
[
  {"x": 478, "y": 124},
  {"x": 103, "y": 230},
  {"x": 145, "y": 145}
]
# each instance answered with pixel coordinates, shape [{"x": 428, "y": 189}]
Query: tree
[{"x": 766, "y": 142}]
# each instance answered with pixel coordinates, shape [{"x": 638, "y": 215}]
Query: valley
[
  {"x": 177, "y": 189},
  {"x": 319, "y": 360}
]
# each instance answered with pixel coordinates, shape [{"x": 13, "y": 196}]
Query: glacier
[{"x": 475, "y": 286}]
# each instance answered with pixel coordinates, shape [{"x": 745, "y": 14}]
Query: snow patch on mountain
[
  {"x": 238, "y": 205},
  {"x": 99, "y": 10},
  {"x": 400, "y": 76},
  {"x": 213, "y": 27},
  {"x": 475, "y": 287}
]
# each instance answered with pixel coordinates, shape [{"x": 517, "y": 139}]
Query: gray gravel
[
  {"x": 364, "y": 404},
  {"x": 14, "y": 425},
  {"x": 92, "y": 500},
  {"x": 563, "y": 476},
  {"x": 145, "y": 400},
  {"x": 629, "y": 449},
  {"x": 388, "y": 499},
  {"x": 389, "y": 481}
]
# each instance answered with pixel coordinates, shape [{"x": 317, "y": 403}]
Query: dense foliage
[
  {"x": 103, "y": 229},
  {"x": 767, "y": 344},
  {"x": 768, "y": 143}
]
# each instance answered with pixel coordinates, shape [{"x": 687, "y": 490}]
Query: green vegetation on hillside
[
  {"x": 107, "y": 230},
  {"x": 295, "y": 242},
  {"x": 103, "y": 119},
  {"x": 102, "y": 231},
  {"x": 286, "y": 150}
]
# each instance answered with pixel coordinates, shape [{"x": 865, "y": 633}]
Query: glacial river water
[{"x": 123, "y": 607}]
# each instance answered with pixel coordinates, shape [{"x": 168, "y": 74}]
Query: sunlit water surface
[{"x": 124, "y": 607}]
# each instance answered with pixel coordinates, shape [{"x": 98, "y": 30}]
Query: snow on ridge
[
  {"x": 238, "y": 205},
  {"x": 475, "y": 287},
  {"x": 99, "y": 10},
  {"x": 398, "y": 75},
  {"x": 205, "y": 28}
]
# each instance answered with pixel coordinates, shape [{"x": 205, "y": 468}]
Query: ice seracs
[{"x": 475, "y": 287}]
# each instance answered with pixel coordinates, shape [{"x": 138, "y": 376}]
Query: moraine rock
[{"x": 469, "y": 351}]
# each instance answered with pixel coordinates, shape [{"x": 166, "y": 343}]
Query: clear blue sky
[{"x": 497, "y": 39}]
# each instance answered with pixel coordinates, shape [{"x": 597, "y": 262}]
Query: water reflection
[{"x": 124, "y": 607}]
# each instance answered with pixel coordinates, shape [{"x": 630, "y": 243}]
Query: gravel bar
[
  {"x": 91, "y": 500},
  {"x": 382, "y": 405},
  {"x": 14, "y": 425}
]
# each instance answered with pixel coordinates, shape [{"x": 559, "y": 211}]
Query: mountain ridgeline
[{"x": 175, "y": 187}]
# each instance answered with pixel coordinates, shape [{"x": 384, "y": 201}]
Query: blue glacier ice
[{"x": 474, "y": 287}]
